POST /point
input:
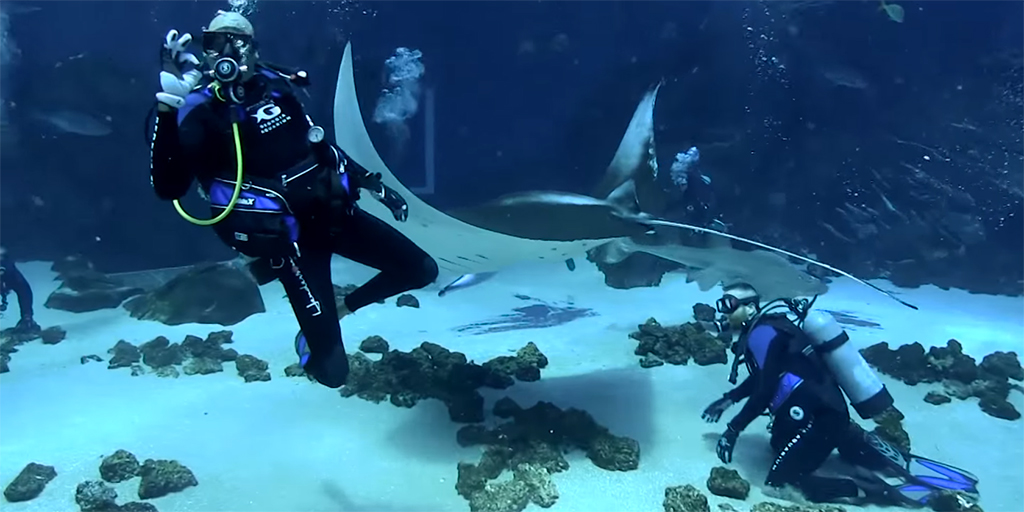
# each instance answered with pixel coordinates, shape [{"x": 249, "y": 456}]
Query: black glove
[
  {"x": 713, "y": 412},
  {"x": 27, "y": 325},
  {"x": 395, "y": 202},
  {"x": 386, "y": 195},
  {"x": 726, "y": 444}
]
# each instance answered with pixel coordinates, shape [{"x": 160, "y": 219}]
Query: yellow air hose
[{"x": 234, "y": 196}]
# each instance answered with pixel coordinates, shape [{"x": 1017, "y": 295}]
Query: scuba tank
[{"x": 866, "y": 392}]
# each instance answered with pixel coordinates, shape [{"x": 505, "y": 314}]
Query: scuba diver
[
  {"x": 799, "y": 371},
  {"x": 12, "y": 280},
  {"x": 279, "y": 192}
]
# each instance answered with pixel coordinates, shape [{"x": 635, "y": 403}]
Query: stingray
[
  {"x": 464, "y": 248},
  {"x": 458, "y": 247}
]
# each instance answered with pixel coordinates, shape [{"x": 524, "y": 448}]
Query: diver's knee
[{"x": 427, "y": 273}]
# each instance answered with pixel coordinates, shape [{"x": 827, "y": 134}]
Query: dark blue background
[{"x": 506, "y": 121}]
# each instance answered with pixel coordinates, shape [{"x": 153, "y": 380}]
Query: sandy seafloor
[{"x": 288, "y": 444}]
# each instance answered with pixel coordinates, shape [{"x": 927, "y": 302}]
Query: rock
[
  {"x": 294, "y": 370},
  {"x": 703, "y": 312},
  {"x": 52, "y": 335},
  {"x": 432, "y": 371},
  {"x": 160, "y": 352},
  {"x": 936, "y": 398},
  {"x": 168, "y": 372},
  {"x": 252, "y": 368},
  {"x": 952, "y": 501},
  {"x": 119, "y": 466},
  {"x": 614, "y": 453},
  {"x": 525, "y": 366},
  {"x": 650, "y": 361},
  {"x": 767, "y": 506},
  {"x": 685, "y": 498},
  {"x": 999, "y": 409},
  {"x": 29, "y": 483},
  {"x": 677, "y": 345},
  {"x": 202, "y": 366},
  {"x": 218, "y": 293},
  {"x": 85, "y": 290},
  {"x": 728, "y": 483},
  {"x": 96, "y": 496},
  {"x": 541, "y": 434},
  {"x": 90, "y": 357},
  {"x": 540, "y": 488},
  {"x": 162, "y": 477},
  {"x": 124, "y": 355},
  {"x": 374, "y": 345},
  {"x": 137, "y": 506},
  {"x": 530, "y": 483},
  {"x": 961, "y": 377},
  {"x": 1002, "y": 365},
  {"x": 408, "y": 300},
  {"x": 890, "y": 428}
]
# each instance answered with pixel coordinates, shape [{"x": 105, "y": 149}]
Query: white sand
[{"x": 291, "y": 445}]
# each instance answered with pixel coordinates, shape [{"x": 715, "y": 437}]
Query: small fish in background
[
  {"x": 570, "y": 264},
  {"x": 73, "y": 121},
  {"x": 893, "y": 11},
  {"x": 465, "y": 281}
]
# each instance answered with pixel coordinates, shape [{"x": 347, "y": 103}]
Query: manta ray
[{"x": 548, "y": 225}]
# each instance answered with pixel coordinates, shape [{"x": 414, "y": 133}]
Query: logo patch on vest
[{"x": 268, "y": 115}]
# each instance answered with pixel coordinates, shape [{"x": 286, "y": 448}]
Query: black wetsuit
[
  {"x": 12, "y": 280},
  {"x": 810, "y": 417},
  {"x": 318, "y": 210}
]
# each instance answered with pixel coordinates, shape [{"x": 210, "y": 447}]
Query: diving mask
[
  {"x": 227, "y": 54},
  {"x": 728, "y": 304}
]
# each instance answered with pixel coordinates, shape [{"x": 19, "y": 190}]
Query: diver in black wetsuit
[
  {"x": 799, "y": 372},
  {"x": 12, "y": 280},
  {"x": 791, "y": 380},
  {"x": 296, "y": 202}
]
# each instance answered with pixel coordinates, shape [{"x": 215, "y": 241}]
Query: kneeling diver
[
  {"x": 278, "y": 190},
  {"x": 798, "y": 372}
]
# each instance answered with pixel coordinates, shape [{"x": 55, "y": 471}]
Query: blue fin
[{"x": 926, "y": 476}]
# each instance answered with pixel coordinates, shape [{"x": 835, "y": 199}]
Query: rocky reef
[
  {"x": 432, "y": 371},
  {"x": 212, "y": 293},
  {"x": 193, "y": 356},
  {"x": 532, "y": 445},
  {"x": 157, "y": 478},
  {"x": 11, "y": 339},
  {"x": 679, "y": 344},
  {"x": 960, "y": 375}
]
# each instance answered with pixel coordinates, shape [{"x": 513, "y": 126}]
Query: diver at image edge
[
  {"x": 12, "y": 280},
  {"x": 799, "y": 372},
  {"x": 279, "y": 191}
]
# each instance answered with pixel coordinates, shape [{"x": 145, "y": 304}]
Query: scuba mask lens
[
  {"x": 222, "y": 42},
  {"x": 727, "y": 304}
]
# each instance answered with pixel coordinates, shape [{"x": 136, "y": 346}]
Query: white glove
[{"x": 175, "y": 84}]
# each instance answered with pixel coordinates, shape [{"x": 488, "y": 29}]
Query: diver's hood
[{"x": 231, "y": 23}]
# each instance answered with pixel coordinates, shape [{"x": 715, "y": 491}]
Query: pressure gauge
[{"x": 315, "y": 134}]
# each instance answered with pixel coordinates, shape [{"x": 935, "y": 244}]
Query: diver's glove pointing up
[
  {"x": 387, "y": 196},
  {"x": 175, "y": 83}
]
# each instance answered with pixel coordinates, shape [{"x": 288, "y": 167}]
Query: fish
[
  {"x": 772, "y": 275},
  {"x": 570, "y": 264},
  {"x": 463, "y": 248},
  {"x": 73, "y": 121},
  {"x": 895, "y": 12},
  {"x": 465, "y": 281}
]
